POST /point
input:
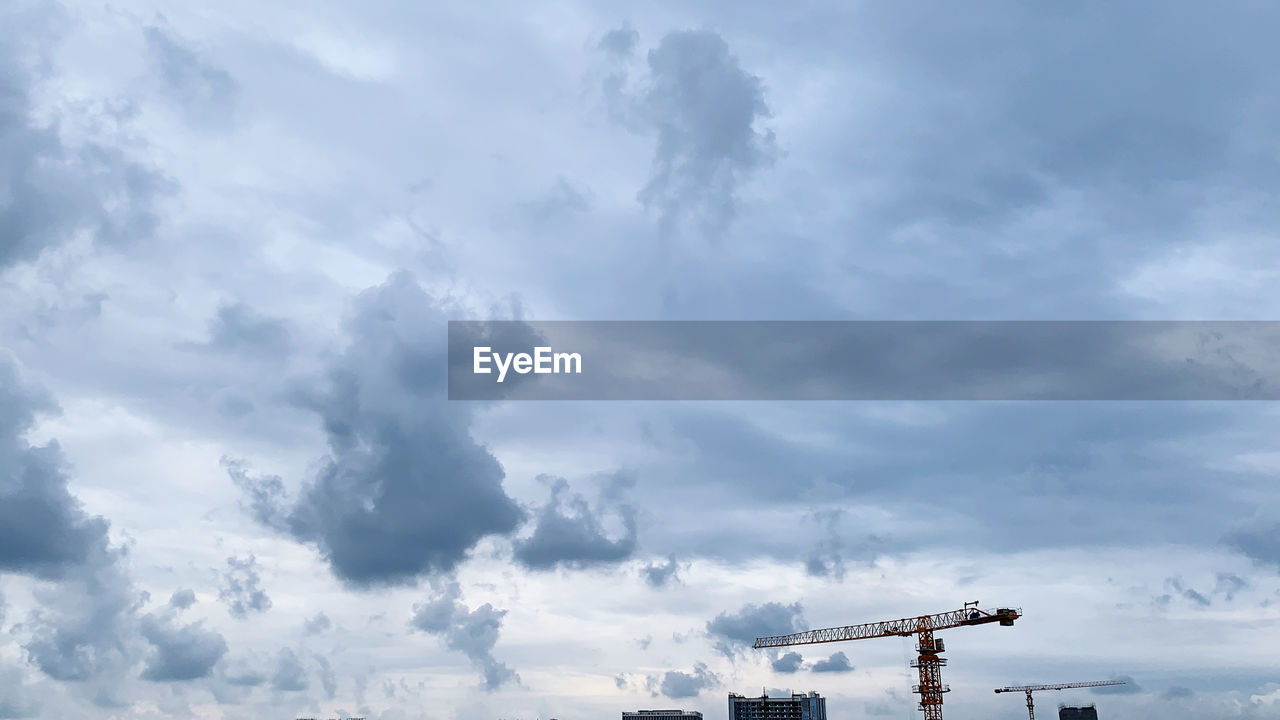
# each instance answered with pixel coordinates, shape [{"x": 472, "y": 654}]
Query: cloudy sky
[{"x": 230, "y": 237}]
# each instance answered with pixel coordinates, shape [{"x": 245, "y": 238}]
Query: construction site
[{"x": 928, "y": 665}]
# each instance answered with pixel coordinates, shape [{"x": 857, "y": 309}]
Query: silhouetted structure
[
  {"x": 662, "y": 715},
  {"x": 1069, "y": 712}
]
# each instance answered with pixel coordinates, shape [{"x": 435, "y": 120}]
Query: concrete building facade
[
  {"x": 797, "y": 706},
  {"x": 662, "y": 715}
]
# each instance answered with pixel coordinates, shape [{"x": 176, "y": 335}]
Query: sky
[{"x": 232, "y": 234}]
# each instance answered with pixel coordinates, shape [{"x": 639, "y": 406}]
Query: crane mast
[
  {"x": 1028, "y": 689},
  {"x": 928, "y": 662}
]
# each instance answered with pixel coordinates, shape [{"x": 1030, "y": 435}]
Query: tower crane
[
  {"x": 1028, "y": 689},
  {"x": 928, "y": 663}
]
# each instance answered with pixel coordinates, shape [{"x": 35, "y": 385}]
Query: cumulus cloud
[
  {"x": 620, "y": 41},
  {"x": 735, "y": 631},
  {"x": 659, "y": 575},
  {"x": 83, "y": 626},
  {"x": 289, "y": 674},
  {"x": 317, "y": 624},
  {"x": 180, "y": 652},
  {"x": 676, "y": 684},
  {"x": 405, "y": 490},
  {"x": 239, "y": 328},
  {"x": 471, "y": 632},
  {"x": 837, "y": 663},
  {"x": 241, "y": 588},
  {"x": 788, "y": 663},
  {"x": 54, "y": 190},
  {"x": 569, "y": 532},
  {"x": 182, "y": 599},
  {"x": 703, "y": 109}
]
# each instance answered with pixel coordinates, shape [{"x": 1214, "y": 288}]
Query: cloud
[
  {"x": 659, "y": 575},
  {"x": 1188, "y": 593},
  {"x": 16, "y": 698},
  {"x": 569, "y": 532},
  {"x": 241, "y": 591},
  {"x": 182, "y": 599},
  {"x": 317, "y": 624},
  {"x": 702, "y": 108},
  {"x": 1262, "y": 545},
  {"x": 54, "y": 190},
  {"x": 186, "y": 652},
  {"x": 328, "y": 678},
  {"x": 405, "y": 490},
  {"x": 1177, "y": 692},
  {"x": 740, "y": 629},
  {"x": 620, "y": 42},
  {"x": 472, "y": 632},
  {"x": 205, "y": 93},
  {"x": 289, "y": 675},
  {"x": 82, "y": 628},
  {"x": 677, "y": 685},
  {"x": 43, "y": 530},
  {"x": 1229, "y": 584},
  {"x": 238, "y": 328},
  {"x": 837, "y": 663},
  {"x": 788, "y": 663}
]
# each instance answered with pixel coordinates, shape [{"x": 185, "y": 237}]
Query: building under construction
[
  {"x": 1077, "y": 712},
  {"x": 798, "y": 706}
]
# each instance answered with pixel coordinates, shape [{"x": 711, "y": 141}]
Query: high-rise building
[
  {"x": 662, "y": 715},
  {"x": 797, "y": 706},
  {"x": 1069, "y": 712}
]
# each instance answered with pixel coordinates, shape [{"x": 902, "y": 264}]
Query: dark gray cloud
[
  {"x": 837, "y": 663},
  {"x": 206, "y": 94},
  {"x": 317, "y": 624},
  {"x": 827, "y": 557},
  {"x": 471, "y": 632},
  {"x": 180, "y": 652},
  {"x": 676, "y": 684},
  {"x": 788, "y": 663},
  {"x": 620, "y": 41},
  {"x": 43, "y": 530},
  {"x": 182, "y": 599},
  {"x": 82, "y": 626},
  {"x": 659, "y": 575},
  {"x": 1177, "y": 692},
  {"x": 1262, "y": 544},
  {"x": 241, "y": 589},
  {"x": 569, "y": 532},
  {"x": 735, "y": 631},
  {"x": 289, "y": 674},
  {"x": 405, "y": 490},
  {"x": 54, "y": 190},
  {"x": 239, "y": 328},
  {"x": 703, "y": 110}
]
